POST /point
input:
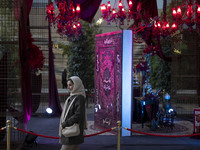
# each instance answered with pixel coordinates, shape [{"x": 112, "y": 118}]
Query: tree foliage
[
  {"x": 160, "y": 69},
  {"x": 81, "y": 53}
]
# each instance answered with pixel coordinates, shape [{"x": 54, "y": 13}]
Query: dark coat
[
  {"x": 64, "y": 79},
  {"x": 76, "y": 114}
]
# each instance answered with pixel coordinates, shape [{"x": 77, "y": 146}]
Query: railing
[{"x": 9, "y": 127}]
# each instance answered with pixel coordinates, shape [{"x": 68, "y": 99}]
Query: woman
[{"x": 76, "y": 114}]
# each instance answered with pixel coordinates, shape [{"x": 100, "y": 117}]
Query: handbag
[
  {"x": 70, "y": 131},
  {"x": 73, "y": 130}
]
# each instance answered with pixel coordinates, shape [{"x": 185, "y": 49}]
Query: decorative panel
[{"x": 108, "y": 79}]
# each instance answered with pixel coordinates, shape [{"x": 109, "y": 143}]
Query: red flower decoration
[{"x": 36, "y": 56}]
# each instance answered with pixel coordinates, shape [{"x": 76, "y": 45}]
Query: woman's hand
[{"x": 61, "y": 127}]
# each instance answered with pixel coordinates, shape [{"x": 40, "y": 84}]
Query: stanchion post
[
  {"x": 119, "y": 135},
  {"x": 8, "y": 133}
]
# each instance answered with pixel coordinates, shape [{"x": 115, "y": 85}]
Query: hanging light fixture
[
  {"x": 67, "y": 19},
  {"x": 190, "y": 18},
  {"x": 118, "y": 13}
]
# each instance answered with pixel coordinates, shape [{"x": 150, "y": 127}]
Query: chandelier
[
  {"x": 160, "y": 26},
  {"x": 190, "y": 17},
  {"x": 67, "y": 19},
  {"x": 179, "y": 21},
  {"x": 117, "y": 15}
]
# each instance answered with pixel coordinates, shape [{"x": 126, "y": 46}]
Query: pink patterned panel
[{"x": 108, "y": 79}]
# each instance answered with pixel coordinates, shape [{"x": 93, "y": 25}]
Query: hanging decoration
[
  {"x": 187, "y": 20},
  {"x": 67, "y": 19},
  {"x": 191, "y": 16},
  {"x": 119, "y": 13},
  {"x": 159, "y": 26}
]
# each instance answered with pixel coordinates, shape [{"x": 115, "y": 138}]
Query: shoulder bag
[{"x": 73, "y": 130}]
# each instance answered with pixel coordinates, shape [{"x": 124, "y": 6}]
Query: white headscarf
[{"x": 78, "y": 86}]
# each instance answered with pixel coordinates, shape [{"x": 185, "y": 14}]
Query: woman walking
[{"x": 76, "y": 114}]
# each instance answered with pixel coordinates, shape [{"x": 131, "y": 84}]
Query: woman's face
[{"x": 70, "y": 85}]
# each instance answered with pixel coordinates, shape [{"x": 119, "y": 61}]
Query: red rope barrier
[
  {"x": 196, "y": 134},
  {"x": 67, "y": 94},
  {"x": 108, "y": 130},
  {"x": 36, "y": 134},
  {"x": 3, "y": 128}
]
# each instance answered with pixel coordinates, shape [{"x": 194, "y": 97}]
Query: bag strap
[{"x": 69, "y": 107}]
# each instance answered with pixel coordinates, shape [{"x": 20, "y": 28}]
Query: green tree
[
  {"x": 81, "y": 53},
  {"x": 160, "y": 69}
]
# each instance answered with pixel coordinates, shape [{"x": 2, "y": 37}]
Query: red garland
[{"x": 36, "y": 60}]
